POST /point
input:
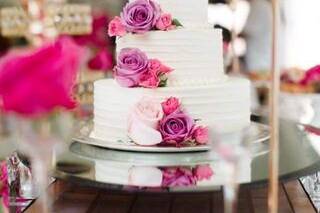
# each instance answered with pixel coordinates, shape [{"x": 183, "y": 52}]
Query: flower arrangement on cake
[
  {"x": 299, "y": 81},
  {"x": 154, "y": 123},
  {"x": 141, "y": 16},
  {"x": 134, "y": 69}
]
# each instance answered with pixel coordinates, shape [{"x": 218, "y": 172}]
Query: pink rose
[
  {"x": 170, "y": 105},
  {"x": 37, "y": 81},
  {"x": 201, "y": 135},
  {"x": 116, "y": 28},
  {"x": 156, "y": 67},
  {"x": 149, "y": 80},
  {"x": 143, "y": 122},
  {"x": 203, "y": 172},
  {"x": 164, "y": 22},
  {"x": 165, "y": 69}
]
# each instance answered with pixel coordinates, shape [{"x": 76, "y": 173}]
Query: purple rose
[
  {"x": 131, "y": 65},
  {"x": 178, "y": 176},
  {"x": 140, "y": 16},
  {"x": 176, "y": 127}
]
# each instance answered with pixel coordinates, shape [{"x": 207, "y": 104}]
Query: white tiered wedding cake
[{"x": 195, "y": 54}]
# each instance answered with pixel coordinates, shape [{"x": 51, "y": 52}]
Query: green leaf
[
  {"x": 163, "y": 80},
  {"x": 176, "y": 22},
  {"x": 189, "y": 143},
  {"x": 163, "y": 83}
]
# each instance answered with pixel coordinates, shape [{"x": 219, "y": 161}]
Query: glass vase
[{"x": 41, "y": 139}]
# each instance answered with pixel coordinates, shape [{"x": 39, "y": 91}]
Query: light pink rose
[
  {"x": 143, "y": 122},
  {"x": 203, "y": 172},
  {"x": 170, "y": 105},
  {"x": 149, "y": 80},
  {"x": 164, "y": 22},
  {"x": 201, "y": 135},
  {"x": 116, "y": 28}
]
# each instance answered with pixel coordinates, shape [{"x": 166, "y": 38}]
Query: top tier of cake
[
  {"x": 192, "y": 13},
  {"x": 194, "y": 51}
]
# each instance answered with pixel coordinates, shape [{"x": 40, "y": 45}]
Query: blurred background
[{"x": 247, "y": 32}]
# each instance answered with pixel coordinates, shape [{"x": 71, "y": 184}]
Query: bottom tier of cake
[{"x": 224, "y": 107}]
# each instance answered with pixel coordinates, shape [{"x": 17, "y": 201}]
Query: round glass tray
[
  {"x": 188, "y": 172},
  {"x": 255, "y": 133}
]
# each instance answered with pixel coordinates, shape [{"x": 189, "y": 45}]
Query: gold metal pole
[{"x": 274, "y": 112}]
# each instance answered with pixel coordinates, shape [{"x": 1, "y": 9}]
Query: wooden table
[{"x": 71, "y": 198}]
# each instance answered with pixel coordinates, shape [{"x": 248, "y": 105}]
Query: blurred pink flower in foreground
[{"x": 34, "y": 82}]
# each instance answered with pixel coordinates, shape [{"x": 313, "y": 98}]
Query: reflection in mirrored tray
[
  {"x": 181, "y": 172},
  {"x": 169, "y": 170}
]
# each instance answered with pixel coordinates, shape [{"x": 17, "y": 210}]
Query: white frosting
[
  {"x": 191, "y": 13},
  {"x": 224, "y": 107},
  {"x": 196, "y": 55}
]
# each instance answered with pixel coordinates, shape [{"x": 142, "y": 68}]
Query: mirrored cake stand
[{"x": 125, "y": 171}]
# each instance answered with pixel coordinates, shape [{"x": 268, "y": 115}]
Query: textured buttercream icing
[
  {"x": 196, "y": 55},
  {"x": 222, "y": 106}
]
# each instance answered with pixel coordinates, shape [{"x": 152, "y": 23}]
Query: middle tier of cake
[
  {"x": 224, "y": 107},
  {"x": 196, "y": 55}
]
